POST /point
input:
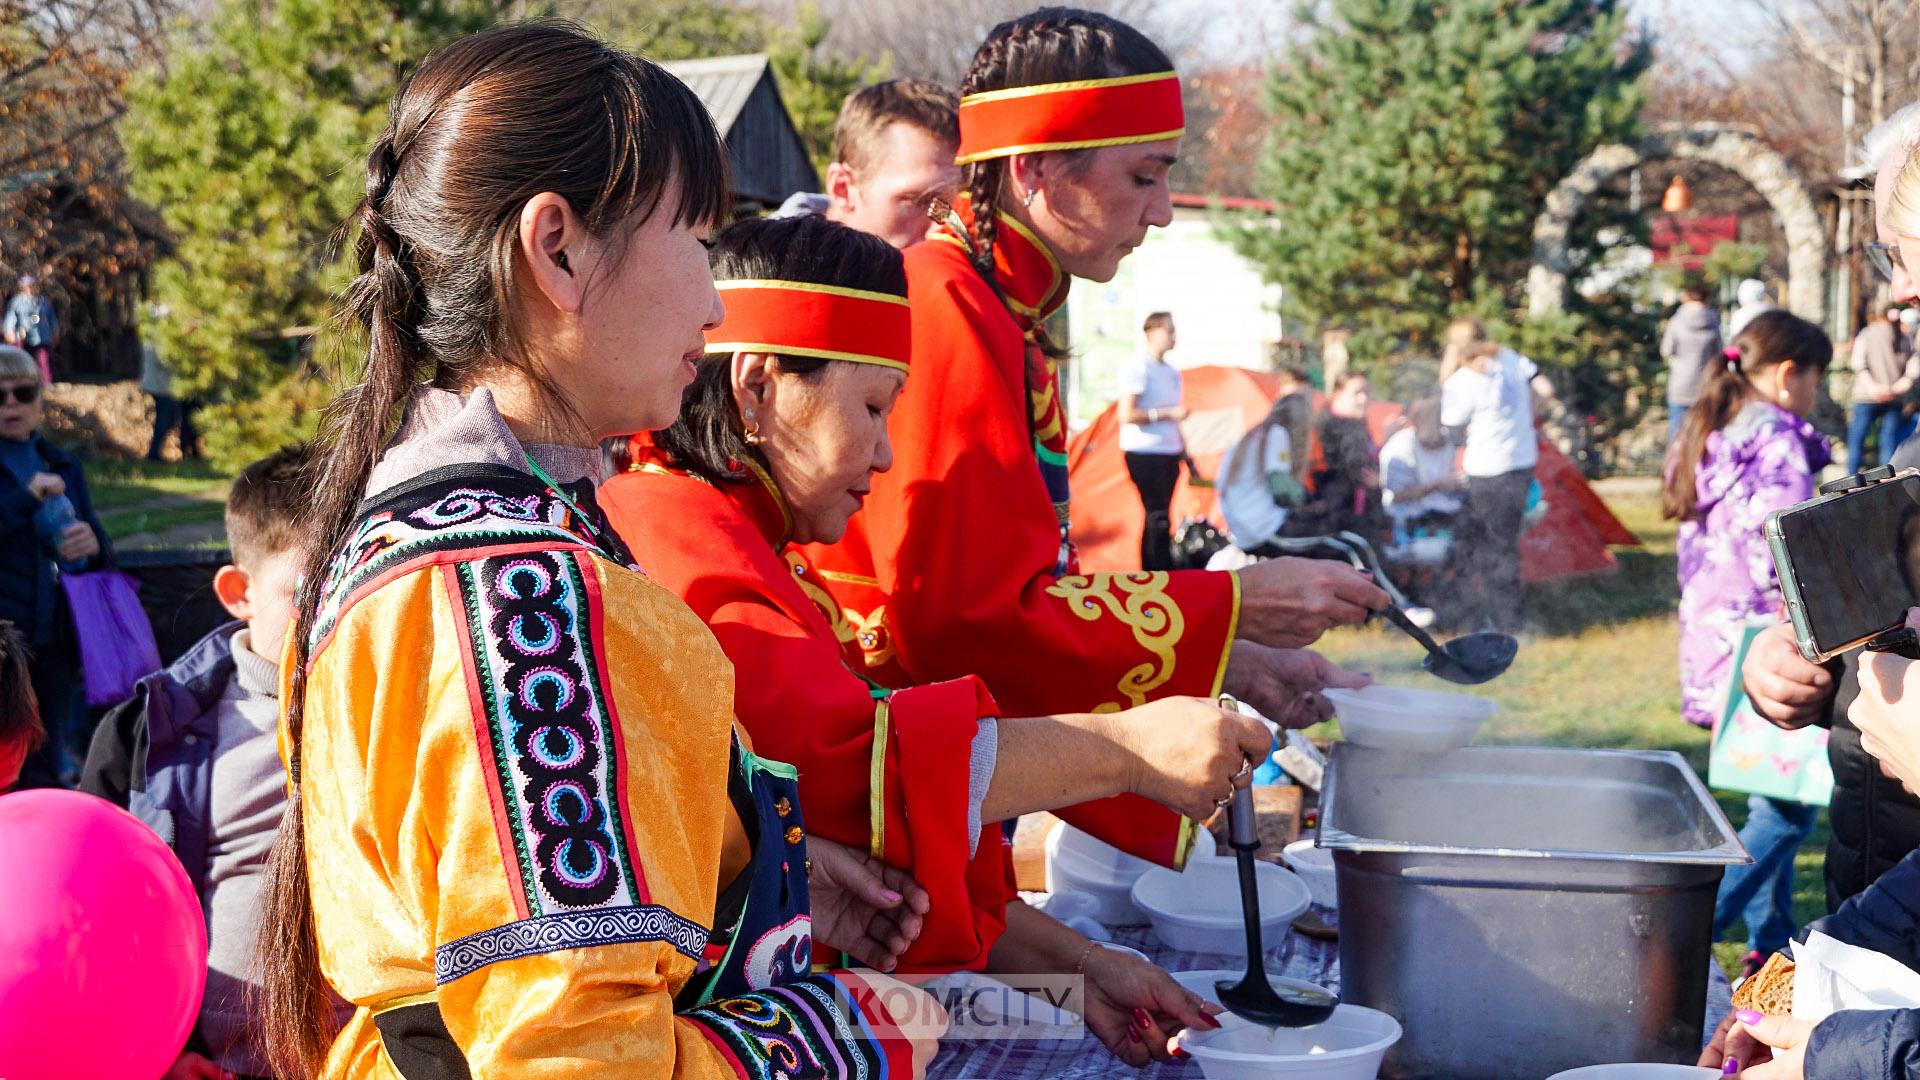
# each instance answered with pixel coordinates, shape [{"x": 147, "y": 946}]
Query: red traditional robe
[
  {"x": 960, "y": 565},
  {"x": 723, "y": 550}
]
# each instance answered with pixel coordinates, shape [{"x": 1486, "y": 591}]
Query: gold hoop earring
[{"x": 751, "y": 428}]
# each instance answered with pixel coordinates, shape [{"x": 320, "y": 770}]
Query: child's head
[
  {"x": 1779, "y": 358},
  {"x": 20, "y": 730},
  {"x": 1782, "y": 358},
  {"x": 1427, "y": 429},
  {"x": 263, "y": 534},
  {"x": 1352, "y": 393}
]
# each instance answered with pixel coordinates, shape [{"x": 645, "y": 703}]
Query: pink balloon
[{"x": 103, "y": 950}]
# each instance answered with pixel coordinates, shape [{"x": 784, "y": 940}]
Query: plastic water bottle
[{"x": 55, "y": 516}]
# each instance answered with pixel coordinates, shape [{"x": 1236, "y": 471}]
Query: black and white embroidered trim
[{"x": 568, "y": 930}]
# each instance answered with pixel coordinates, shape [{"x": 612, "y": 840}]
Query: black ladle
[
  {"x": 1469, "y": 660},
  {"x": 1253, "y": 996}
]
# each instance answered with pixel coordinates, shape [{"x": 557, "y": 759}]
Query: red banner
[{"x": 1700, "y": 234}]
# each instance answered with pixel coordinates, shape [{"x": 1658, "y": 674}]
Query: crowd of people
[
  {"x": 1439, "y": 492},
  {"x": 638, "y": 670}
]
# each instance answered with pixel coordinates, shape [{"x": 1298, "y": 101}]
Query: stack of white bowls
[{"x": 1077, "y": 863}]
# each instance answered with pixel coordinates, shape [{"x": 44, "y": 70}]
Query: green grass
[
  {"x": 1601, "y": 670},
  {"x": 137, "y": 498},
  {"x": 131, "y": 523},
  {"x": 118, "y": 485}
]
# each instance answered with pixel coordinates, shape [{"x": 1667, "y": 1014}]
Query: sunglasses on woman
[
  {"x": 1885, "y": 257},
  {"x": 25, "y": 393}
]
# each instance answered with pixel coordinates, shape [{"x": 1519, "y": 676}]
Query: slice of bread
[{"x": 1769, "y": 990}]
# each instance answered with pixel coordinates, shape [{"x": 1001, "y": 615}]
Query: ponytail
[{"x": 1770, "y": 339}]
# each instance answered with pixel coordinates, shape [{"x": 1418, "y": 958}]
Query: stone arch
[{"x": 1736, "y": 149}]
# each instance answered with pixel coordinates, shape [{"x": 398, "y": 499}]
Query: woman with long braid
[
  {"x": 524, "y": 838},
  {"x": 962, "y": 562}
]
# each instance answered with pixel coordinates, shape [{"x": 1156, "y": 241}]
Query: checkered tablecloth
[{"x": 1085, "y": 1057}]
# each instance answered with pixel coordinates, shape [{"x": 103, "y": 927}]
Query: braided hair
[
  {"x": 475, "y": 132},
  {"x": 1051, "y": 45}
]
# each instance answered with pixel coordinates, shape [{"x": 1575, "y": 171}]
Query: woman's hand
[
  {"x": 1135, "y": 1008},
  {"x": 77, "y": 542},
  {"x": 46, "y": 485},
  {"x": 862, "y": 906},
  {"x": 1289, "y": 603},
  {"x": 1285, "y": 684},
  {"x": 1786, "y": 1039},
  {"x": 1733, "y": 1042},
  {"x": 1188, "y": 754},
  {"x": 1784, "y": 688},
  {"x": 1889, "y": 723}
]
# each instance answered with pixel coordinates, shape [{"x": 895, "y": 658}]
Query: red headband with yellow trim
[
  {"x": 799, "y": 318},
  {"x": 1070, "y": 116}
]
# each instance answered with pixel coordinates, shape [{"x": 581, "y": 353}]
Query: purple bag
[{"x": 117, "y": 648}]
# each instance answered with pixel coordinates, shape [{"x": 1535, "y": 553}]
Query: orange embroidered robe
[
  {"x": 878, "y": 769},
  {"x": 960, "y": 563}
]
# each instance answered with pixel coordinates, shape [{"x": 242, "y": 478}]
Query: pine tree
[
  {"x": 1415, "y": 142},
  {"x": 813, "y": 81},
  {"x": 250, "y": 143}
]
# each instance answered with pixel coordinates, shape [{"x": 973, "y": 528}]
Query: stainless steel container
[{"x": 1522, "y": 911}]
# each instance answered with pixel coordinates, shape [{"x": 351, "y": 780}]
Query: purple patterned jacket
[{"x": 1766, "y": 459}]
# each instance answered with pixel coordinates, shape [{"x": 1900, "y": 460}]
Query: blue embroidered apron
[{"x": 771, "y": 939}]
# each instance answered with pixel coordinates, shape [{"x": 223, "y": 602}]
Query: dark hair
[
  {"x": 267, "y": 507},
  {"x": 1772, "y": 338},
  {"x": 865, "y": 117},
  {"x": 1158, "y": 318},
  {"x": 1695, "y": 291},
  {"x": 707, "y": 439},
  {"x": 1346, "y": 379},
  {"x": 19, "y": 710},
  {"x": 1051, "y": 45},
  {"x": 1294, "y": 373},
  {"x": 478, "y": 129}
]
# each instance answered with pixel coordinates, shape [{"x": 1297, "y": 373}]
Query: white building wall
[{"x": 1224, "y": 313}]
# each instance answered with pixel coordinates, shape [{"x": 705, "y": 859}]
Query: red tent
[{"x": 1223, "y": 402}]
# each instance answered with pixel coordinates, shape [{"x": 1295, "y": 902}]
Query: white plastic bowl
[
  {"x": 1313, "y": 865},
  {"x": 1349, "y": 1046},
  {"x": 1411, "y": 721},
  {"x": 1199, "y": 911},
  {"x": 1636, "y": 1073},
  {"x": 1078, "y": 863}
]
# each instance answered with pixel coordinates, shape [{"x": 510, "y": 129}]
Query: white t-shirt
[
  {"x": 1496, "y": 408},
  {"x": 1404, "y": 463},
  {"x": 1154, "y": 384},
  {"x": 1252, "y": 514}
]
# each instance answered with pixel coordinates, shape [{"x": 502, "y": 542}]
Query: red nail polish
[
  {"x": 1141, "y": 1019},
  {"x": 1180, "y": 1052},
  {"x": 1133, "y": 1035},
  {"x": 1212, "y": 1024}
]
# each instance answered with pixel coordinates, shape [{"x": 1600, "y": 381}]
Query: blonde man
[{"x": 893, "y": 150}]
